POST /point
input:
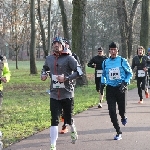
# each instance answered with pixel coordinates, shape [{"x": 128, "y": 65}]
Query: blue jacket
[{"x": 116, "y": 71}]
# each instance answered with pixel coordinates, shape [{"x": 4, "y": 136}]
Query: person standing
[
  {"x": 4, "y": 76},
  {"x": 96, "y": 62},
  {"x": 63, "y": 69},
  {"x": 139, "y": 64},
  {"x": 116, "y": 76}
]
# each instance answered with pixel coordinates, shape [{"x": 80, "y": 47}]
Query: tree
[
  {"x": 78, "y": 34},
  {"x": 33, "y": 68},
  {"x": 64, "y": 19},
  {"x": 145, "y": 24},
  {"x": 126, "y": 23}
]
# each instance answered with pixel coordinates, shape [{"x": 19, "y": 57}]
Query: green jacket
[{"x": 6, "y": 72}]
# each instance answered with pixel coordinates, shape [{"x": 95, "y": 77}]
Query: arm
[
  {"x": 128, "y": 71},
  {"x": 91, "y": 63},
  {"x": 6, "y": 73},
  {"x": 44, "y": 74}
]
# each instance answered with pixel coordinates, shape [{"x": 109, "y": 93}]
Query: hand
[
  {"x": 61, "y": 78},
  {"x": 43, "y": 77},
  {"x": 3, "y": 79},
  {"x": 123, "y": 87},
  {"x": 145, "y": 69}
]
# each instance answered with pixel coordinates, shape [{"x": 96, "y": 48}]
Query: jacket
[
  {"x": 116, "y": 71},
  {"x": 5, "y": 70},
  {"x": 62, "y": 65}
]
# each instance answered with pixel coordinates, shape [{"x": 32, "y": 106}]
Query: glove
[{"x": 123, "y": 87}]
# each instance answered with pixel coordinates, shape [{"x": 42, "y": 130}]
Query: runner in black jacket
[{"x": 96, "y": 62}]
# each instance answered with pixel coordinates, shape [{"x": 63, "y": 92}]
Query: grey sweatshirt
[{"x": 58, "y": 65}]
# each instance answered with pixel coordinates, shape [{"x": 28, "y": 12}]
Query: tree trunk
[
  {"x": 64, "y": 19},
  {"x": 126, "y": 24},
  {"x": 145, "y": 21},
  {"x": 33, "y": 68},
  {"x": 49, "y": 27},
  {"x": 123, "y": 26},
  {"x": 42, "y": 30},
  {"x": 78, "y": 35}
]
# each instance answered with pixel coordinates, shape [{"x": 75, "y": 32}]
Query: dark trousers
[
  {"x": 98, "y": 85},
  {"x": 56, "y": 107},
  {"x": 141, "y": 81},
  {"x": 113, "y": 96}
]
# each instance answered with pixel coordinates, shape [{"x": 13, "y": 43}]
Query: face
[
  {"x": 67, "y": 45},
  {"x": 100, "y": 52},
  {"x": 57, "y": 47},
  {"x": 148, "y": 52},
  {"x": 140, "y": 51},
  {"x": 113, "y": 52}
]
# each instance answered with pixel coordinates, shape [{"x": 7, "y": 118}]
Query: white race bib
[
  {"x": 114, "y": 73},
  {"x": 99, "y": 73},
  {"x": 141, "y": 73},
  {"x": 57, "y": 84}
]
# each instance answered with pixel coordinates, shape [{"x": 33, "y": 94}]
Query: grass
[{"x": 26, "y": 102}]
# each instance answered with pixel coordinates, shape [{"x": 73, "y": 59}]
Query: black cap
[
  {"x": 100, "y": 48},
  {"x": 114, "y": 45}
]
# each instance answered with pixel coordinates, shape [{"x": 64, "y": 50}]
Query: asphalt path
[{"x": 96, "y": 131}]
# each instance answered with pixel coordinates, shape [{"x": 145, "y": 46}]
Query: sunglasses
[{"x": 99, "y": 51}]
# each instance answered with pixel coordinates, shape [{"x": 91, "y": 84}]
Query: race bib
[
  {"x": 57, "y": 84},
  {"x": 114, "y": 73},
  {"x": 99, "y": 73},
  {"x": 141, "y": 73}
]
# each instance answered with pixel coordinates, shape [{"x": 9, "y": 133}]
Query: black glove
[{"x": 123, "y": 87}]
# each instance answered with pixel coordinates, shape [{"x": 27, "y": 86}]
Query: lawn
[{"x": 26, "y": 102}]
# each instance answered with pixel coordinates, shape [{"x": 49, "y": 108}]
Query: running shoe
[
  {"x": 53, "y": 147},
  {"x": 140, "y": 102},
  {"x": 74, "y": 137},
  {"x": 63, "y": 130},
  {"x": 118, "y": 137},
  {"x": 124, "y": 121},
  {"x": 146, "y": 93},
  {"x": 100, "y": 105}
]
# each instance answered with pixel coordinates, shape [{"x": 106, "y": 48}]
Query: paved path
[{"x": 96, "y": 131}]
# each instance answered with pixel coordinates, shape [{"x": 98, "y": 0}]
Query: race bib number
[
  {"x": 114, "y": 73},
  {"x": 99, "y": 73},
  {"x": 141, "y": 73},
  {"x": 57, "y": 84}
]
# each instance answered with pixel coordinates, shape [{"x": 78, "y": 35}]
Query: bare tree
[
  {"x": 33, "y": 68},
  {"x": 78, "y": 34},
  {"x": 145, "y": 24},
  {"x": 126, "y": 23},
  {"x": 64, "y": 19}
]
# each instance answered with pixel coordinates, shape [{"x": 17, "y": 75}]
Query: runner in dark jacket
[
  {"x": 139, "y": 65},
  {"x": 96, "y": 62}
]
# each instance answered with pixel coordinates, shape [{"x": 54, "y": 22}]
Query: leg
[
  {"x": 121, "y": 101},
  {"x": 143, "y": 86},
  {"x": 139, "y": 89},
  {"x": 68, "y": 107},
  {"x": 55, "y": 108},
  {"x": 111, "y": 101},
  {"x": 1, "y": 99}
]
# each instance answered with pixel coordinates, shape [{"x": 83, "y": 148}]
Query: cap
[
  {"x": 114, "y": 45},
  {"x": 100, "y": 48},
  {"x": 65, "y": 41},
  {"x": 59, "y": 39}
]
